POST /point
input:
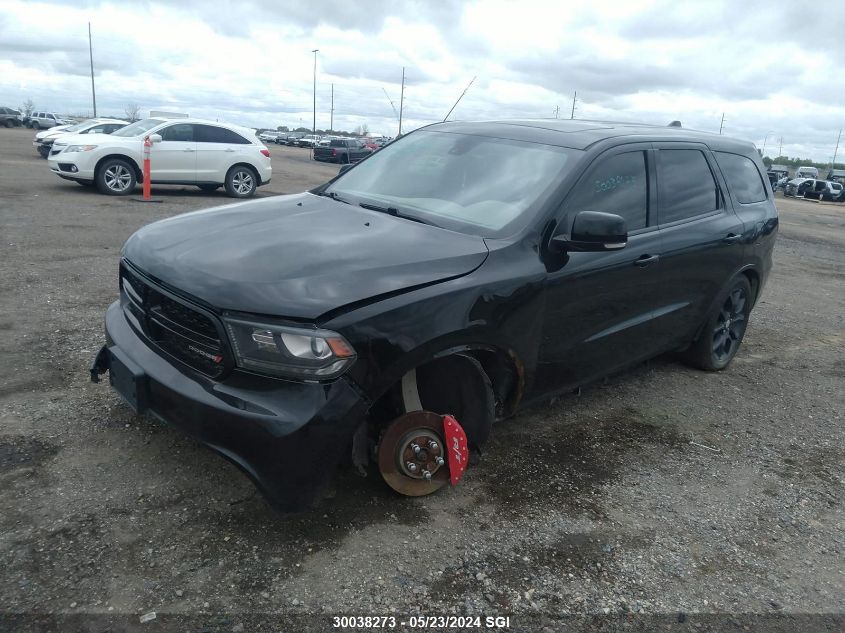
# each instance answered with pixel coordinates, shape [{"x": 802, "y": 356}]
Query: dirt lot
[{"x": 663, "y": 490}]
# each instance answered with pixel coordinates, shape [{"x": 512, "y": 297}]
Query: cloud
[{"x": 250, "y": 62}]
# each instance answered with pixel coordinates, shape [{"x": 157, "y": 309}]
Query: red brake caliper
[{"x": 456, "y": 448}]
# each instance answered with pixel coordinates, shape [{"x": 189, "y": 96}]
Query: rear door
[
  {"x": 175, "y": 158},
  {"x": 703, "y": 239},
  {"x": 218, "y": 148}
]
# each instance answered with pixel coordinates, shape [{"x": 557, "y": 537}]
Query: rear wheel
[
  {"x": 116, "y": 177},
  {"x": 724, "y": 330},
  {"x": 241, "y": 182}
]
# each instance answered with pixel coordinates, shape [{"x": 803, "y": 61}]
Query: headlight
[
  {"x": 80, "y": 148},
  {"x": 289, "y": 351}
]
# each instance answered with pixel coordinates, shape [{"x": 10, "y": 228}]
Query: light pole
[{"x": 314, "y": 123}]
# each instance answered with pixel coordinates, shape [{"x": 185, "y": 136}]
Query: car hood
[
  {"x": 53, "y": 131},
  {"x": 298, "y": 256}
]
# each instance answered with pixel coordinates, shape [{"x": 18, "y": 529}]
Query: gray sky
[{"x": 764, "y": 64}]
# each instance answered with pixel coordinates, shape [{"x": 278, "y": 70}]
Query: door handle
[
  {"x": 731, "y": 238},
  {"x": 187, "y": 149},
  {"x": 228, "y": 149},
  {"x": 646, "y": 260}
]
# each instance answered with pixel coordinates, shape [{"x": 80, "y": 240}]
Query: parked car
[
  {"x": 10, "y": 117},
  {"x": 292, "y": 139},
  {"x": 184, "y": 152},
  {"x": 797, "y": 187},
  {"x": 44, "y": 141},
  {"x": 823, "y": 190},
  {"x": 781, "y": 184},
  {"x": 309, "y": 140},
  {"x": 342, "y": 151},
  {"x": 464, "y": 269},
  {"x": 45, "y": 120},
  {"x": 835, "y": 192},
  {"x": 807, "y": 172},
  {"x": 268, "y": 136}
]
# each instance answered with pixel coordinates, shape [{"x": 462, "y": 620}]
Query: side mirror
[
  {"x": 155, "y": 138},
  {"x": 593, "y": 231},
  {"x": 344, "y": 168}
]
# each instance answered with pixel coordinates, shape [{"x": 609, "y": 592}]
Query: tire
[
  {"x": 722, "y": 334},
  {"x": 241, "y": 182},
  {"x": 116, "y": 177},
  {"x": 44, "y": 153},
  {"x": 209, "y": 188},
  {"x": 344, "y": 160},
  {"x": 34, "y": 125}
]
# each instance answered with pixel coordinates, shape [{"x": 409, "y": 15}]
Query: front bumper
[{"x": 288, "y": 437}]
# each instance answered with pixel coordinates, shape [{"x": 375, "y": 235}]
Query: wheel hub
[{"x": 411, "y": 457}]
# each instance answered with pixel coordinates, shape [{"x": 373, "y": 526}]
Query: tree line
[{"x": 799, "y": 162}]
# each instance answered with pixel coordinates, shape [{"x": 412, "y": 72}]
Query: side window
[
  {"x": 180, "y": 132},
  {"x": 743, "y": 177},
  {"x": 685, "y": 185},
  {"x": 618, "y": 184},
  {"x": 96, "y": 130},
  {"x": 214, "y": 134}
]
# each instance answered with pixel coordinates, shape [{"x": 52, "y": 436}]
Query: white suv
[
  {"x": 184, "y": 152},
  {"x": 46, "y": 141},
  {"x": 45, "y": 120}
]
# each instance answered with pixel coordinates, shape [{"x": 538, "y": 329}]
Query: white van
[{"x": 807, "y": 172}]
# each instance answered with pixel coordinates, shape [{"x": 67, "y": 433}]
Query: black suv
[{"x": 464, "y": 269}]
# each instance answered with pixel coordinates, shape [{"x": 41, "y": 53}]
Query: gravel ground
[{"x": 661, "y": 490}]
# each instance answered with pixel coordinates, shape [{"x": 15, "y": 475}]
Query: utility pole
[
  {"x": 574, "y": 96},
  {"x": 780, "y": 147},
  {"x": 401, "y": 100},
  {"x": 836, "y": 151},
  {"x": 91, "y": 58},
  {"x": 721, "y": 125},
  {"x": 331, "y": 125},
  {"x": 314, "y": 122},
  {"x": 557, "y": 112}
]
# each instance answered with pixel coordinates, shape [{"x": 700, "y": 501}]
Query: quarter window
[
  {"x": 214, "y": 134},
  {"x": 743, "y": 177},
  {"x": 685, "y": 185},
  {"x": 180, "y": 132},
  {"x": 618, "y": 184}
]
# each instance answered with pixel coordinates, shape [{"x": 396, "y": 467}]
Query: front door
[
  {"x": 174, "y": 159},
  {"x": 599, "y": 306}
]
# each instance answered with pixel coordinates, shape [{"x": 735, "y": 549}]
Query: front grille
[{"x": 180, "y": 329}]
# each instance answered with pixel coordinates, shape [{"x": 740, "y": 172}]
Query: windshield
[
  {"x": 138, "y": 128},
  {"x": 78, "y": 126},
  {"x": 473, "y": 184}
]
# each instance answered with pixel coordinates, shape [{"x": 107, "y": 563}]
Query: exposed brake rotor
[{"x": 412, "y": 456}]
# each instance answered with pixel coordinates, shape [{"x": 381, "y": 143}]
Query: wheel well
[
  {"x": 138, "y": 174},
  {"x": 252, "y": 167},
  {"x": 753, "y": 279},
  {"x": 503, "y": 370}
]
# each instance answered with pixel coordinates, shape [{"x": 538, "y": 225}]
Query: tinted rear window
[
  {"x": 214, "y": 134},
  {"x": 743, "y": 177},
  {"x": 685, "y": 185}
]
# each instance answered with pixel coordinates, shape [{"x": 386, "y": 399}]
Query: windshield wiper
[
  {"x": 394, "y": 212},
  {"x": 333, "y": 195}
]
